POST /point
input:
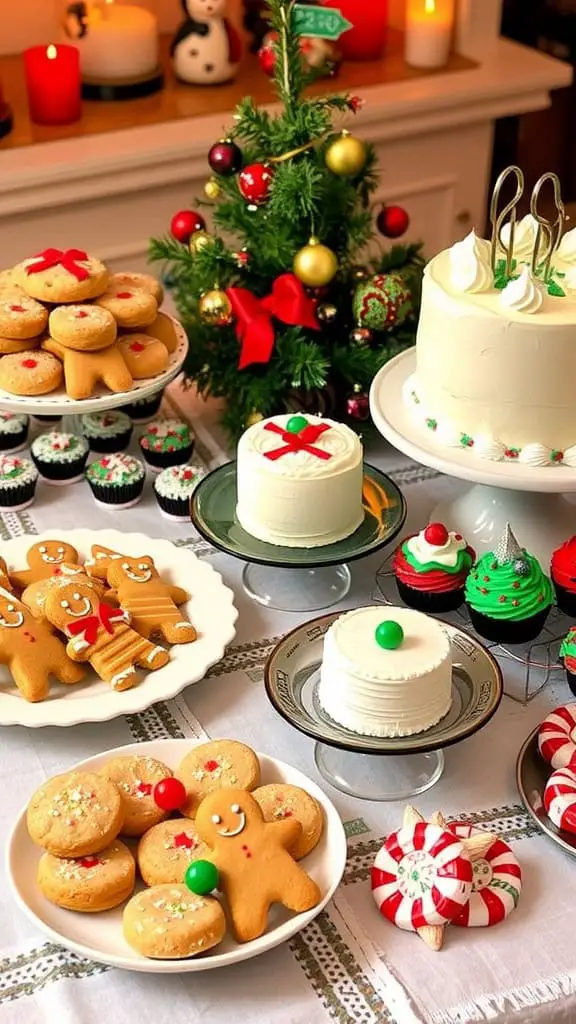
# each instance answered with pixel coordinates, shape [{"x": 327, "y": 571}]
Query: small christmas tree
[{"x": 290, "y": 317}]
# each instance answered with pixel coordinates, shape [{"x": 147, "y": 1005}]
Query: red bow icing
[
  {"x": 288, "y": 302},
  {"x": 304, "y": 441},
  {"x": 106, "y": 617},
  {"x": 68, "y": 259}
]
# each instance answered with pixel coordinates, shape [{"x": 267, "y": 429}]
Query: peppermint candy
[
  {"x": 557, "y": 736},
  {"x": 422, "y": 876},
  {"x": 496, "y": 882},
  {"x": 560, "y": 798}
]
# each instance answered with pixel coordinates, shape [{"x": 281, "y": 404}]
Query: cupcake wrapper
[
  {"x": 11, "y": 497},
  {"x": 46, "y": 419},
  {"x": 429, "y": 602},
  {"x": 144, "y": 413},
  {"x": 506, "y": 631},
  {"x": 116, "y": 494},
  {"x": 162, "y": 460},
  {"x": 60, "y": 470},
  {"x": 174, "y": 506},
  {"x": 10, "y": 442},
  {"x": 109, "y": 445},
  {"x": 565, "y": 599}
]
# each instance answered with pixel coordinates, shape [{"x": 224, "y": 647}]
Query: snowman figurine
[{"x": 206, "y": 49}]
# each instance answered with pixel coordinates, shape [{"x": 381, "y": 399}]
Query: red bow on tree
[
  {"x": 303, "y": 441},
  {"x": 68, "y": 259},
  {"x": 288, "y": 302},
  {"x": 106, "y": 617}
]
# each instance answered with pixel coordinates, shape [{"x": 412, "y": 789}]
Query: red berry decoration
[
  {"x": 267, "y": 55},
  {"x": 436, "y": 534},
  {"x": 185, "y": 224},
  {"x": 225, "y": 158},
  {"x": 255, "y": 182},
  {"x": 169, "y": 794},
  {"x": 392, "y": 221}
]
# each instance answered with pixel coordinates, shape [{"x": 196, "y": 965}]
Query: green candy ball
[
  {"x": 389, "y": 635},
  {"x": 201, "y": 877},
  {"x": 382, "y": 303},
  {"x": 296, "y": 424}
]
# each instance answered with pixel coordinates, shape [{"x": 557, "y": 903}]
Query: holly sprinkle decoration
[{"x": 169, "y": 794}]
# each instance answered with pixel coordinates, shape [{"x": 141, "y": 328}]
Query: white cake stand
[{"x": 534, "y": 501}]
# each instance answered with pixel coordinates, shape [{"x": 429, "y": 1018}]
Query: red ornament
[
  {"x": 392, "y": 221},
  {"x": 358, "y": 406},
  {"x": 355, "y": 103},
  {"x": 185, "y": 224},
  {"x": 169, "y": 794},
  {"x": 255, "y": 182},
  {"x": 267, "y": 55},
  {"x": 225, "y": 158},
  {"x": 436, "y": 534}
]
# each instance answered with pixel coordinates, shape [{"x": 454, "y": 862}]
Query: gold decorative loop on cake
[
  {"x": 549, "y": 231},
  {"x": 499, "y": 219}
]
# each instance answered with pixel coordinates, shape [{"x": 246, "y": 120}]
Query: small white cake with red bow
[{"x": 299, "y": 481}]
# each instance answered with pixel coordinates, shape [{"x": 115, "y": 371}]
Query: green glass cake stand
[{"x": 296, "y": 579}]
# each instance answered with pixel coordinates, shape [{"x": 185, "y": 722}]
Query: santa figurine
[{"x": 206, "y": 49}]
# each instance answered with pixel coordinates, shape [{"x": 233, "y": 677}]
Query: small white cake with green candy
[
  {"x": 173, "y": 488},
  {"x": 299, "y": 481},
  {"x": 386, "y": 672}
]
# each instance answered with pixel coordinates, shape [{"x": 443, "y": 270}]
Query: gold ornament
[
  {"x": 327, "y": 312},
  {"x": 212, "y": 189},
  {"x": 215, "y": 308},
  {"x": 199, "y": 240},
  {"x": 347, "y": 156},
  {"x": 315, "y": 265},
  {"x": 253, "y": 418}
]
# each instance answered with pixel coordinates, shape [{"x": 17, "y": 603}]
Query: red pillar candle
[
  {"x": 367, "y": 39},
  {"x": 53, "y": 83}
]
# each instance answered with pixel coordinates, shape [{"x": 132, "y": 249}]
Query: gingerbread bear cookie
[
  {"x": 99, "y": 562},
  {"x": 99, "y": 633},
  {"x": 151, "y": 603},
  {"x": 31, "y": 651},
  {"x": 45, "y": 559},
  {"x": 75, "y": 814},
  {"x": 254, "y": 866},
  {"x": 89, "y": 884}
]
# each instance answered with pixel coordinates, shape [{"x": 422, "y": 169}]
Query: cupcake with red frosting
[
  {"x": 431, "y": 569},
  {"x": 563, "y": 572}
]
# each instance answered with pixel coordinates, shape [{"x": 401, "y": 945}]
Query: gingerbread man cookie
[
  {"x": 5, "y": 581},
  {"x": 99, "y": 562},
  {"x": 43, "y": 560},
  {"x": 84, "y": 370},
  {"x": 255, "y": 869},
  {"x": 151, "y": 603},
  {"x": 144, "y": 356},
  {"x": 31, "y": 651},
  {"x": 100, "y": 634},
  {"x": 34, "y": 597}
]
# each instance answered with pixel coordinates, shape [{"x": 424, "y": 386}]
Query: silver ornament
[{"x": 508, "y": 549}]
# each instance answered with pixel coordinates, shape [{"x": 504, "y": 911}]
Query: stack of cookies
[
  {"x": 210, "y": 828},
  {"x": 66, "y": 320}
]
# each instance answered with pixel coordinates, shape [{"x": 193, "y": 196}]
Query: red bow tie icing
[
  {"x": 68, "y": 259},
  {"x": 89, "y": 626},
  {"x": 303, "y": 441}
]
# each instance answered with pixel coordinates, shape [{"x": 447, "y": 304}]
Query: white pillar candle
[
  {"x": 120, "y": 42},
  {"x": 429, "y": 26}
]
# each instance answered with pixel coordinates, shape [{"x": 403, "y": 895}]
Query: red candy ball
[
  {"x": 267, "y": 57},
  {"x": 185, "y": 224},
  {"x": 392, "y": 221},
  {"x": 225, "y": 158},
  {"x": 436, "y": 534},
  {"x": 169, "y": 794},
  {"x": 255, "y": 182}
]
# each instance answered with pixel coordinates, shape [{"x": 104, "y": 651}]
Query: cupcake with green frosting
[
  {"x": 166, "y": 442},
  {"x": 116, "y": 481},
  {"x": 60, "y": 458},
  {"x": 507, "y": 594},
  {"x": 18, "y": 479},
  {"x": 173, "y": 489}
]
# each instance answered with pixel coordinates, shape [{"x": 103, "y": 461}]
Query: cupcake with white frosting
[
  {"x": 173, "y": 489},
  {"x": 431, "y": 569}
]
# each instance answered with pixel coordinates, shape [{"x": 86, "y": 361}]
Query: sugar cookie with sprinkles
[
  {"x": 168, "y": 922},
  {"x": 144, "y": 282},
  {"x": 167, "y": 849},
  {"x": 279, "y": 801},
  {"x": 215, "y": 765},
  {"x": 557, "y": 736},
  {"x": 62, "y": 275},
  {"x": 75, "y": 814},
  {"x": 86, "y": 328},
  {"x": 21, "y": 317},
  {"x": 88, "y": 884},
  {"x": 131, "y": 308},
  {"x": 136, "y": 778},
  {"x": 30, "y": 373}
]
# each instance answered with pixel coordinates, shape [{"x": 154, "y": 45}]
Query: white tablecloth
[{"x": 350, "y": 965}]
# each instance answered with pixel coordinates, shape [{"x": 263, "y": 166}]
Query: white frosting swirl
[
  {"x": 470, "y": 267},
  {"x": 442, "y": 554},
  {"x": 488, "y": 447},
  {"x": 525, "y": 294},
  {"x": 535, "y": 455},
  {"x": 570, "y": 456},
  {"x": 449, "y": 435},
  {"x": 567, "y": 247},
  {"x": 525, "y": 234}
]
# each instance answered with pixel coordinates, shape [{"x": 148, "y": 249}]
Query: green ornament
[
  {"x": 201, "y": 877},
  {"x": 383, "y": 302},
  {"x": 296, "y": 424},
  {"x": 389, "y": 635}
]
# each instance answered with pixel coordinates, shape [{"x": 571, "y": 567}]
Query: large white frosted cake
[
  {"x": 299, "y": 481},
  {"x": 395, "y": 690},
  {"x": 496, "y": 356}
]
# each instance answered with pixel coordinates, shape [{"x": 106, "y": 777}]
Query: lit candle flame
[
  {"x": 430, "y": 7},
  {"x": 51, "y": 52}
]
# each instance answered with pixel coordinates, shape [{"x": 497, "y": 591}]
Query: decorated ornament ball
[
  {"x": 358, "y": 405},
  {"x": 212, "y": 189},
  {"x": 255, "y": 182},
  {"x": 225, "y": 158},
  {"x": 327, "y": 312},
  {"x": 361, "y": 337},
  {"x": 215, "y": 308},
  {"x": 315, "y": 264},
  {"x": 346, "y": 156},
  {"x": 392, "y": 221},
  {"x": 382, "y": 303},
  {"x": 186, "y": 223},
  {"x": 199, "y": 240}
]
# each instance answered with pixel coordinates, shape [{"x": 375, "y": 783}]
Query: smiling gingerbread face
[
  {"x": 229, "y": 816},
  {"x": 134, "y": 570},
  {"x": 70, "y": 603},
  {"x": 49, "y": 554},
  {"x": 12, "y": 613}
]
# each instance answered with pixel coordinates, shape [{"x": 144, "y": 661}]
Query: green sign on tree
[{"x": 319, "y": 22}]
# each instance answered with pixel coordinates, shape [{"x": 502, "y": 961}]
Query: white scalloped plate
[
  {"x": 99, "y": 936},
  {"x": 211, "y": 610}
]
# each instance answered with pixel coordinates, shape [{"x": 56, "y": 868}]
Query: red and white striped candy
[
  {"x": 560, "y": 798},
  {"x": 557, "y": 736},
  {"x": 421, "y": 876},
  {"x": 497, "y": 882}
]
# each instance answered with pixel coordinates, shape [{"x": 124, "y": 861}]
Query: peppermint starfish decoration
[{"x": 476, "y": 847}]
